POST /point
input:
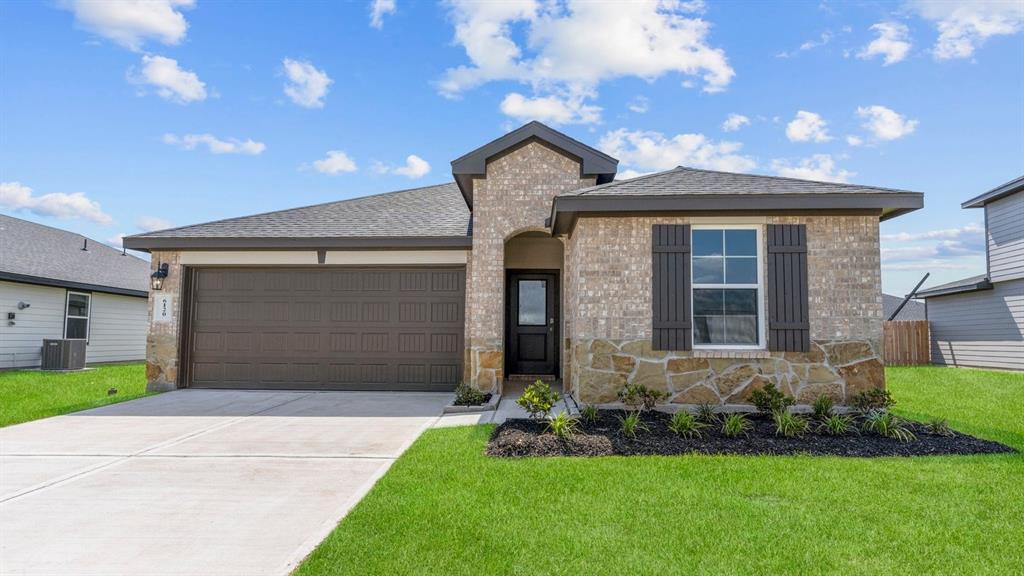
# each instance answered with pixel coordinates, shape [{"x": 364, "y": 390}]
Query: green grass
[
  {"x": 445, "y": 508},
  {"x": 31, "y": 394}
]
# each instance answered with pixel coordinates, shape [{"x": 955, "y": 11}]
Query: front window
[
  {"x": 76, "y": 322},
  {"x": 726, "y": 287}
]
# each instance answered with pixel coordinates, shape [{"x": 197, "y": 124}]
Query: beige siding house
[{"x": 536, "y": 262}]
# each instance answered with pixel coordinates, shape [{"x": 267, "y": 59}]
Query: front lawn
[
  {"x": 31, "y": 394},
  {"x": 446, "y": 508}
]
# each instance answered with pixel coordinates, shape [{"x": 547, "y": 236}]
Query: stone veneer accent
[
  {"x": 163, "y": 338},
  {"x": 608, "y": 294},
  {"x": 514, "y": 197}
]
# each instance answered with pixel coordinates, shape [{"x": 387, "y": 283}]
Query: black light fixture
[{"x": 157, "y": 278}]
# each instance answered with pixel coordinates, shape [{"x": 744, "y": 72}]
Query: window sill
[{"x": 727, "y": 353}]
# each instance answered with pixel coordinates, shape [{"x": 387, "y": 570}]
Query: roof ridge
[
  {"x": 73, "y": 233},
  {"x": 791, "y": 179}
]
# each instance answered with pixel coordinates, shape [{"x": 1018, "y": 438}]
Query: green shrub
[
  {"x": 589, "y": 413},
  {"x": 788, "y": 424},
  {"x": 939, "y": 427},
  {"x": 836, "y": 425},
  {"x": 631, "y": 424},
  {"x": 885, "y": 423},
  {"x": 706, "y": 414},
  {"x": 822, "y": 407},
  {"x": 769, "y": 399},
  {"x": 639, "y": 397},
  {"x": 538, "y": 399},
  {"x": 466, "y": 395},
  {"x": 873, "y": 399},
  {"x": 735, "y": 425},
  {"x": 686, "y": 425},
  {"x": 562, "y": 425}
]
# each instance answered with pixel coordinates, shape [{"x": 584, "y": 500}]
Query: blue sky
[{"x": 119, "y": 117}]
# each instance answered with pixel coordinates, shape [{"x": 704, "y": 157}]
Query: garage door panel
[{"x": 328, "y": 328}]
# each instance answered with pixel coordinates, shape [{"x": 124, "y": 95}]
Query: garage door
[{"x": 326, "y": 328}]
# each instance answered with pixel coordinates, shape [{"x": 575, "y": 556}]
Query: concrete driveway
[{"x": 196, "y": 481}]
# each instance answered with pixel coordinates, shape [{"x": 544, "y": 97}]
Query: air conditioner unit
[{"x": 63, "y": 354}]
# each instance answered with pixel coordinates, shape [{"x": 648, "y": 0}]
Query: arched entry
[{"x": 533, "y": 304}]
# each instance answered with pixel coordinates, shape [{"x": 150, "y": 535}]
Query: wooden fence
[{"x": 905, "y": 342}]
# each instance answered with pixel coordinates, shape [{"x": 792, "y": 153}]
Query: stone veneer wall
[
  {"x": 608, "y": 280},
  {"x": 162, "y": 339},
  {"x": 514, "y": 197}
]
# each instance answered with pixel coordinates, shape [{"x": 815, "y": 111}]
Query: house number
[{"x": 162, "y": 309}]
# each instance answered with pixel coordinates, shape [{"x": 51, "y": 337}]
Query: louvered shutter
[
  {"x": 788, "y": 320},
  {"x": 670, "y": 289}
]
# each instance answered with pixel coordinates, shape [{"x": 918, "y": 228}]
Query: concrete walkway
[{"x": 196, "y": 481}]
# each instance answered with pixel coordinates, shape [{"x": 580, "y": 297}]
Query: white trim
[
  {"x": 253, "y": 257},
  {"x": 726, "y": 221},
  {"x": 87, "y": 317},
  {"x": 733, "y": 224},
  {"x": 377, "y": 257},
  {"x": 309, "y": 257}
]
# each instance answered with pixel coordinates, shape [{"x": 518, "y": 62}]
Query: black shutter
[
  {"x": 670, "y": 288},
  {"x": 789, "y": 329}
]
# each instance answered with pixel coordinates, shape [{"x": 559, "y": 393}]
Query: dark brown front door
[{"x": 532, "y": 319}]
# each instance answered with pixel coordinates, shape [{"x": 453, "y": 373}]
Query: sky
[{"x": 120, "y": 117}]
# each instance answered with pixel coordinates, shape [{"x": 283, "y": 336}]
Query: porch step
[{"x": 525, "y": 379}]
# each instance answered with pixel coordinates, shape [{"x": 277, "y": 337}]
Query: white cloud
[
  {"x": 306, "y": 86},
  {"x": 806, "y": 127},
  {"x": 131, "y": 22},
  {"x": 854, "y": 140},
  {"x": 216, "y": 145},
  {"x": 885, "y": 124},
  {"x": 734, "y": 122},
  {"x": 639, "y": 104},
  {"x": 551, "y": 109},
  {"x": 821, "y": 167},
  {"x": 117, "y": 241},
  {"x": 970, "y": 230},
  {"x": 569, "y": 48},
  {"x": 822, "y": 40},
  {"x": 415, "y": 167},
  {"x": 336, "y": 162},
  {"x": 151, "y": 223},
  {"x": 171, "y": 82},
  {"x": 652, "y": 151},
  {"x": 378, "y": 9},
  {"x": 965, "y": 26},
  {"x": 892, "y": 43},
  {"x": 17, "y": 196}
]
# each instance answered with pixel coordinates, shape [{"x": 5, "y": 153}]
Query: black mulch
[
  {"x": 458, "y": 402},
  {"x": 518, "y": 438}
]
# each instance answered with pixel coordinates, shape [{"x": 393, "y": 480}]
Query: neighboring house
[
  {"x": 58, "y": 284},
  {"x": 979, "y": 321},
  {"x": 913, "y": 310},
  {"x": 536, "y": 262}
]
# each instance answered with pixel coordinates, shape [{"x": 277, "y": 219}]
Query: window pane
[
  {"x": 707, "y": 242},
  {"x": 78, "y": 305},
  {"x": 740, "y": 302},
  {"x": 708, "y": 303},
  {"x": 532, "y": 302},
  {"x": 741, "y": 329},
  {"x": 708, "y": 330},
  {"x": 741, "y": 270},
  {"x": 708, "y": 270},
  {"x": 741, "y": 242},
  {"x": 78, "y": 328}
]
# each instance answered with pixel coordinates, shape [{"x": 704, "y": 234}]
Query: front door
[{"x": 532, "y": 320}]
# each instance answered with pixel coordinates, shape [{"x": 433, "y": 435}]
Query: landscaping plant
[
  {"x": 884, "y": 423},
  {"x": 769, "y": 399},
  {"x": 735, "y": 425},
  {"x": 639, "y": 397},
  {"x": 589, "y": 413},
  {"x": 788, "y": 424},
  {"x": 466, "y": 395},
  {"x": 822, "y": 407},
  {"x": 563, "y": 425},
  {"x": 836, "y": 425},
  {"x": 706, "y": 413},
  {"x": 686, "y": 425},
  {"x": 538, "y": 399},
  {"x": 873, "y": 399},
  {"x": 631, "y": 424},
  {"x": 939, "y": 427}
]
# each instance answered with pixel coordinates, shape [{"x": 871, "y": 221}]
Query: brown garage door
[{"x": 326, "y": 328}]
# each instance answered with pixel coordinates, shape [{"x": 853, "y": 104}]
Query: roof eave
[
  {"x": 1011, "y": 187},
  {"x": 148, "y": 244},
  {"x": 68, "y": 284},
  {"x": 984, "y": 284}
]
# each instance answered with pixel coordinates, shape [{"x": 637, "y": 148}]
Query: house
[
  {"x": 58, "y": 284},
  {"x": 913, "y": 310},
  {"x": 979, "y": 321},
  {"x": 536, "y": 261}
]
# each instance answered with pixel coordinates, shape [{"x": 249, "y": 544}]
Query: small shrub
[
  {"x": 735, "y": 425},
  {"x": 686, "y": 425},
  {"x": 562, "y": 425},
  {"x": 639, "y": 397},
  {"x": 538, "y": 399},
  {"x": 836, "y": 425},
  {"x": 706, "y": 414},
  {"x": 885, "y": 423},
  {"x": 589, "y": 413},
  {"x": 769, "y": 399},
  {"x": 788, "y": 424},
  {"x": 873, "y": 399},
  {"x": 822, "y": 408},
  {"x": 631, "y": 424},
  {"x": 939, "y": 427},
  {"x": 466, "y": 395}
]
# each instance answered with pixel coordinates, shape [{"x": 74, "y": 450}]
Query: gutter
[
  {"x": 983, "y": 284},
  {"x": 40, "y": 281},
  {"x": 147, "y": 244}
]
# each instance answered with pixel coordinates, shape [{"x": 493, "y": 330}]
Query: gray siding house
[
  {"x": 979, "y": 321},
  {"x": 58, "y": 284}
]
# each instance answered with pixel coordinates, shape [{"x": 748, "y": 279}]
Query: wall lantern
[{"x": 157, "y": 278}]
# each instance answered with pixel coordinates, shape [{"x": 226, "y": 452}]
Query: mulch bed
[{"x": 519, "y": 438}]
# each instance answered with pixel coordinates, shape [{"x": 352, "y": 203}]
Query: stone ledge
[
  {"x": 730, "y": 354},
  {"x": 490, "y": 406}
]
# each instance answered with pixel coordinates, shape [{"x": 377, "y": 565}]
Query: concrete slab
[
  {"x": 20, "y": 473},
  {"x": 467, "y": 419},
  {"x": 508, "y": 408}
]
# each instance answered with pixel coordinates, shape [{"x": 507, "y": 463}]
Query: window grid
[{"x": 724, "y": 255}]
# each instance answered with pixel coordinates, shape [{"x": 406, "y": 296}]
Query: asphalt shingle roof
[
  {"x": 914, "y": 310},
  {"x": 30, "y": 249},
  {"x": 433, "y": 211},
  {"x": 962, "y": 285}
]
